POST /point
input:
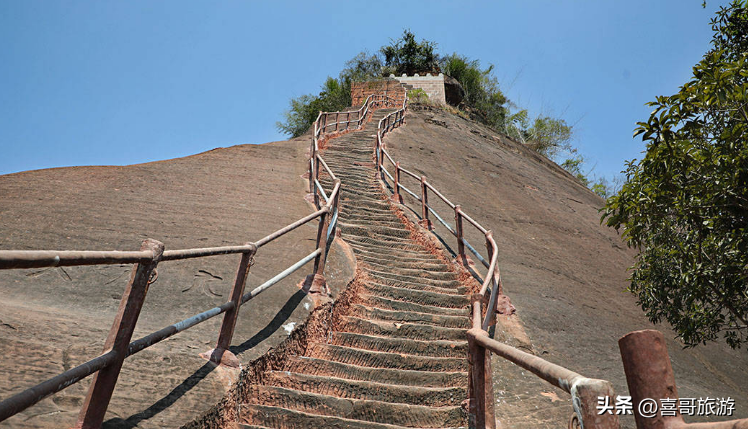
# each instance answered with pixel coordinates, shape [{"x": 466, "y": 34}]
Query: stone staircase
[{"x": 398, "y": 358}]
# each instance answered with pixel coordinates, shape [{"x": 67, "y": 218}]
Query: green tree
[
  {"x": 574, "y": 166},
  {"x": 335, "y": 94},
  {"x": 685, "y": 205},
  {"x": 482, "y": 94},
  {"x": 546, "y": 135},
  {"x": 405, "y": 55}
]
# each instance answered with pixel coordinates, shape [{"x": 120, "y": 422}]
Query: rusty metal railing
[
  {"x": 321, "y": 127},
  {"x": 584, "y": 391},
  {"x": 118, "y": 346},
  {"x": 650, "y": 377},
  {"x": 643, "y": 352}
]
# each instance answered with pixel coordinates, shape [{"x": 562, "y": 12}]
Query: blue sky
[{"x": 115, "y": 83}]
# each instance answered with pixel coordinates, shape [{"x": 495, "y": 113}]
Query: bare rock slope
[
  {"x": 565, "y": 273},
  {"x": 56, "y": 318},
  {"x": 397, "y": 357}
]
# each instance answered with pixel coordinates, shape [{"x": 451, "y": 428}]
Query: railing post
[
  {"x": 221, "y": 354},
  {"x": 312, "y": 157},
  {"x": 100, "y": 393},
  {"x": 315, "y": 282},
  {"x": 481, "y": 401},
  {"x": 316, "y": 177},
  {"x": 324, "y": 122},
  {"x": 396, "y": 197},
  {"x": 425, "y": 221},
  {"x": 585, "y": 396},
  {"x": 379, "y": 155},
  {"x": 337, "y": 120},
  {"x": 649, "y": 375},
  {"x": 335, "y": 204},
  {"x": 347, "y": 120},
  {"x": 458, "y": 232}
]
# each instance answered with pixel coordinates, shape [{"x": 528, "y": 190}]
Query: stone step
[
  {"x": 368, "y": 390},
  {"x": 366, "y": 203},
  {"x": 445, "y": 279},
  {"x": 356, "y": 409},
  {"x": 374, "y": 359},
  {"x": 362, "y": 223},
  {"x": 377, "y": 231},
  {"x": 380, "y": 302},
  {"x": 281, "y": 418},
  {"x": 421, "y": 285},
  {"x": 422, "y": 297},
  {"x": 413, "y": 331},
  {"x": 385, "y": 264},
  {"x": 406, "y": 256},
  {"x": 322, "y": 367},
  {"x": 373, "y": 313},
  {"x": 435, "y": 348},
  {"x": 382, "y": 245}
]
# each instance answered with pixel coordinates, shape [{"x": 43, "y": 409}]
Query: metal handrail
[
  {"x": 107, "y": 366},
  {"x": 10, "y": 259},
  {"x": 439, "y": 194},
  {"x": 478, "y": 339}
]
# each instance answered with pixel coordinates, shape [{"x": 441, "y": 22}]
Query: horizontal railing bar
[
  {"x": 285, "y": 273},
  {"x": 291, "y": 227},
  {"x": 475, "y": 252},
  {"x": 403, "y": 188},
  {"x": 164, "y": 333},
  {"x": 62, "y": 258},
  {"x": 20, "y": 401},
  {"x": 550, "y": 372},
  {"x": 410, "y": 173},
  {"x": 389, "y": 157},
  {"x": 475, "y": 224},
  {"x": 439, "y": 194},
  {"x": 387, "y": 173},
  {"x": 439, "y": 218},
  {"x": 324, "y": 164},
  {"x": 322, "y": 191},
  {"x": 179, "y": 254}
]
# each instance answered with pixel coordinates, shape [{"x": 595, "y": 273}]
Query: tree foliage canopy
[
  {"x": 335, "y": 94},
  {"x": 482, "y": 93},
  {"x": 406, "y": 55},
  {"x": 685, "y": 205}
]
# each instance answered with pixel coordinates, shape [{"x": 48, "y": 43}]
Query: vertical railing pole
[
  {"x": 380, "y": 155},
  {"x": 335, "y": 205},
  {"x": 480, "y": 384},
  {"x": 649, "y": 375},
  {"x": 337, "y": 120},
  {"x": 396, "y": 197},
  {"x": 221, "y": 354},
  {"x": 315, "y": 283},
  {"x": 324, "y": 223},
  {"x": 458, "y": 232},
  {"x": 312, "y": 157},
  {"x": 316, "y": 177},
  {"x": 495, "y": 290},
  {"x": 347, "y": 120},
  {"x": 102, "y": 386},
  {"x": 425, "y": 221}
]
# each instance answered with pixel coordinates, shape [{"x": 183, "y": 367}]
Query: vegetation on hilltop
[
  {"x": 483, "y": 100},
  {"x": 685, "y": 205}
]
